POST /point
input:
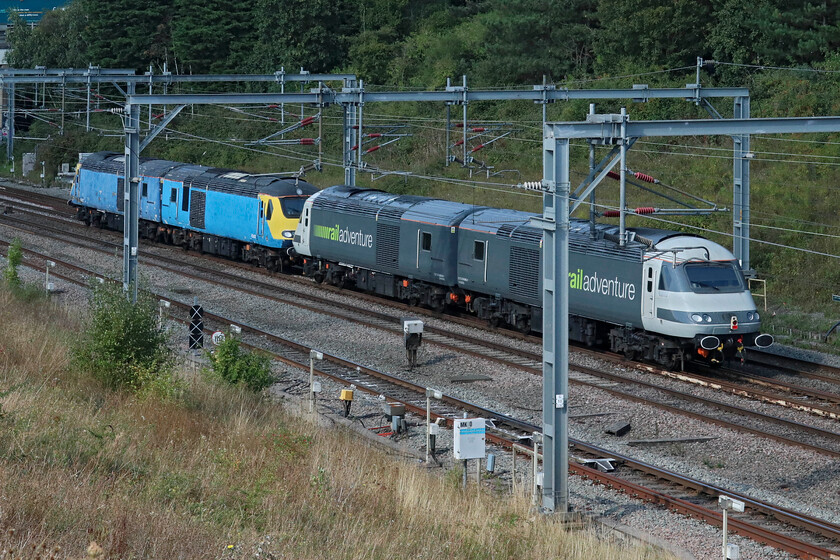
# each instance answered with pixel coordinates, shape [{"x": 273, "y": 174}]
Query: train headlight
[
  {"x": 696, "y": 317},
  {"x": 750, "y": 316},
  {"x": 288, "y": 233},
  {"x": 707, "y": 318},
  {"x": 757, "y": 316}
]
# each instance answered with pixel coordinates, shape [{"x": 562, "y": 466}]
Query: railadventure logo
[
  {"x": 604, "y": 286},
  {"x": 357, "y": 238}
]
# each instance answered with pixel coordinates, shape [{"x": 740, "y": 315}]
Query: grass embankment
[{"x": 220, "y": 473}]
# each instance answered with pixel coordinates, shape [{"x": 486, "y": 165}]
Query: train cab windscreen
[
  {"x": 711, "y": 277},
  {"x": 292, "y": 206}
]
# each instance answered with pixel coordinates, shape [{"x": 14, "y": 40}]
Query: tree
[
  {"x": 211, "y": 36},
  {"x": 527, "y": 39},
  {"x": 56, "y": 42},
  {"x": 312, "y": 34},
  {"x": 650, "y": 33},
  {"x": 774, "y": 32},
  {"x": 382, "y": 28},
  {"x": 127, "y": 33}
]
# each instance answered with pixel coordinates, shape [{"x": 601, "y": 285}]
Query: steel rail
[
  {"x": 782, "y": 542},
  {"x": 237, "y": 284}
]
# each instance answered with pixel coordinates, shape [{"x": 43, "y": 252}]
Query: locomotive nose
[{"x": 764, "y": 340}]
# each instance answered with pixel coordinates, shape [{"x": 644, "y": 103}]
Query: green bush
[
  {"x": 123, "y": 346},
  {"x": 14, "y": 257},
  {"x": 236, "y": 366}
]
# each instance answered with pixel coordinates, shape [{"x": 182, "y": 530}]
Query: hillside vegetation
[
  {"x": 221, "y": 472},
  {"x": 785, "y": 53}
]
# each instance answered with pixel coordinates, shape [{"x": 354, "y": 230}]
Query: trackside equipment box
[{"x": 469, "y": 438}]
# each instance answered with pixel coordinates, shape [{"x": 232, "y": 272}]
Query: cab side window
[
  {"x": 478, "y": 250},
  {"x": 665, "y": 280},
  {"x": 270, "y": 211},
  {"x": 426, "y": 241}
]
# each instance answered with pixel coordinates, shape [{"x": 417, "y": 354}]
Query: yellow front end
[{"x": 275, "y": 210}]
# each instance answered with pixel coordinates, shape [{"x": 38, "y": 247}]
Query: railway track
[
  {"x": 798, "y": 534},
  {"x": 504, "y": 354},
  {"x": 725, "y": 415}
]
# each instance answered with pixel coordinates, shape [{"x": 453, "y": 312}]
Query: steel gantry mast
[
  {"x": 353, "y": 98},
  {"x": 554, "y": 222},
  {"x": 607, "y": 129}
]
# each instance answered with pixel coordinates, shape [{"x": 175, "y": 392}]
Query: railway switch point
[
  {"x": 606, "y": 464},
  {"x": 618, "y": 429}
]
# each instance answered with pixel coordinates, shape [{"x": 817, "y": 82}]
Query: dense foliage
[
  {"x": 236, "y": 366},
  {"x": 123, "y": 346},
  {"x": 14, "y": 257},
  {"x": 386, "y": 41},
  {"x": 419, "y": 44}
]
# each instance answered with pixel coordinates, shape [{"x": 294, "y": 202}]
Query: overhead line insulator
[
  {"x": 354, "y": 148},
  {"x": 373, "y": 149},
  {"x": 375, "y": 135},
  {"x": 645, "y": 177},
  {"x": 459, "y": 142},
  {"x": 613, "y": 175},
  {"x": 478, "y": 129},
  {"x": 611, "y": 214},
  {"x": 645, "y": 210},
  {"x": 477, "y": 148},
  {"x": 307, "y": 141}
]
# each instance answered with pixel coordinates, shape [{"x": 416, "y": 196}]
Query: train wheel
[
  {"x": 319, "y": 277},
  {"x": 495, "y": 321}
]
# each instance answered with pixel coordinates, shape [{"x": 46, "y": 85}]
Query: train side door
[
  {"x": 150, "y": 199},
  {"x": 170, "y": 194},
  {"x": 648, "y": 291},
  {"x": 261, "y": 220},
  {"x": 302, "y": 232},
  {"x": 424, "y": 250},
  {"x": 184, "y": 212}
]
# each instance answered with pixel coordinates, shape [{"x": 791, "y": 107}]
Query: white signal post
[
  {"x": 727, "y": 504},
  {"x": 430, "y": 393},
  {"x": 313, "y": 355},
  {"x": 162, "y": 304},
  {"x": 47, "y": 286}
]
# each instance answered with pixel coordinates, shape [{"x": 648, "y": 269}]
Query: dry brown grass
[{"x": 221, "y": 474}]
